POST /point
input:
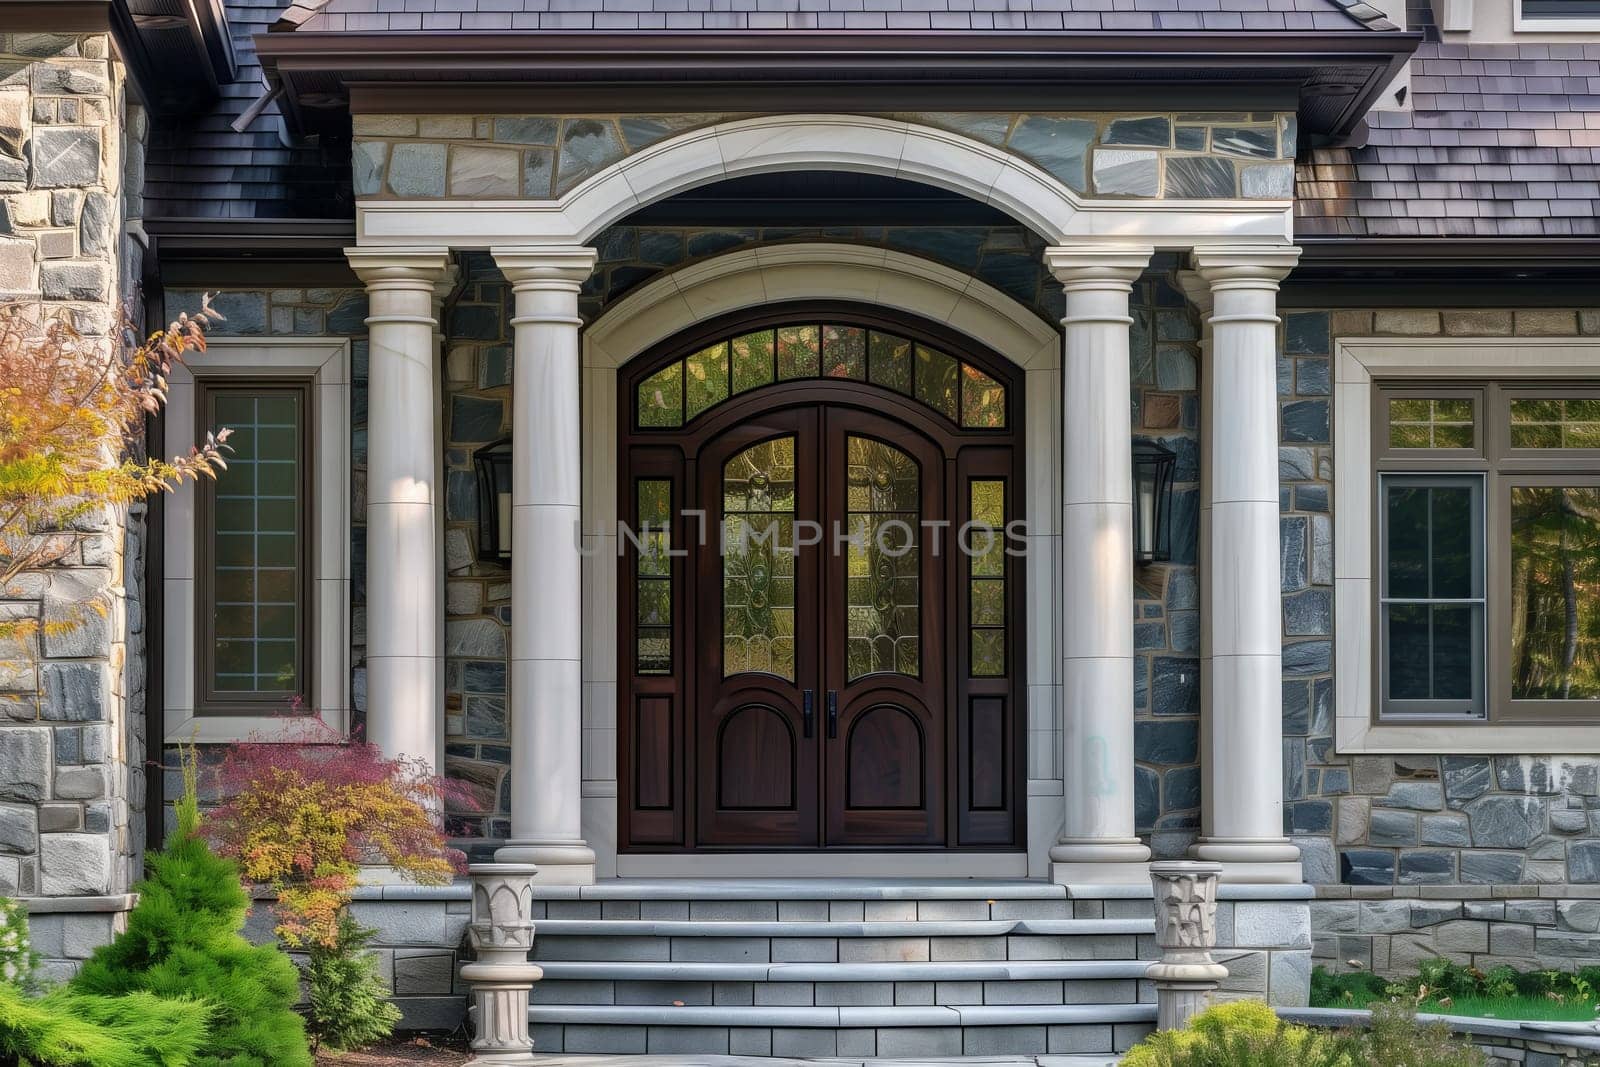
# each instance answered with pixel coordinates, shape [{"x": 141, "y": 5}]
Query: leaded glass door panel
[{"x": 757, "y": 601}]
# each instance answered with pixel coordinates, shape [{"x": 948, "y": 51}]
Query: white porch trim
[
  {"x": 327, "y": 361},
  {"x": 816, "y": 271},
  {"x": 856, "y": 143}
]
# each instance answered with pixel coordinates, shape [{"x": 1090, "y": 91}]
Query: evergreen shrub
[
  {"x": 66, "y": 1028},
  {"x": 183, "y": 939}
]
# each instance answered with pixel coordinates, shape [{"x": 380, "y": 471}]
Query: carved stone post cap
[
  {"x": 501, "y": 870},
  {"x": 1183, "y": 868}
]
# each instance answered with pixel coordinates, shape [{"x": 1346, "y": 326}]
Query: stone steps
[{"x": 840, "y": 967}]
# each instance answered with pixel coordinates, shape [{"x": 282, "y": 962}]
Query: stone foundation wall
[
  {"x": 1391, "y": 931},
  {"x": 72, "y": 702},
  {"x": 1482, "y": 858},
  {"x": 420, "y": 940}
]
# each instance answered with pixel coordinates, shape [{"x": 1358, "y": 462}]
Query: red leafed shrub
[{"x": 304, "y": 817}]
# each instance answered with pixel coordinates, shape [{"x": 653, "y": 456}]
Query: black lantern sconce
[
  {"x": 1152, "y": 501},
  {"x": 492, "y": 463}
]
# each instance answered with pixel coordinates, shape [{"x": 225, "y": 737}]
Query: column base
[
  {"x": 1253, "y": 861},
  {"x": 1100, "y": 861},
  {"x": 566, "y": 864}
]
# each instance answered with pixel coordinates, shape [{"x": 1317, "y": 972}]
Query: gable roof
[{"x": 1122, "y": 16}]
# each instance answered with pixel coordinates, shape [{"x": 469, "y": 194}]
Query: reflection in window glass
[
  {"x": 985, "y": 549},
  {"x": 256, "y": 558},
  {"x": 1432, "y": 610},
  {"x": 1423, "y": 422},
  {"x": 983, "y": 400},
  {"x": 883, "y": 498},
  {"x": 654, "y": 583},
  {"x": 1555, "y": 593},
  {"x": 758, "y": 503},
  {"x": 1555, "y": 423},
  {"x": 752, "y": 360},
  {"x": 705, "y": 379},
  {"x": 689, "y": 387}
]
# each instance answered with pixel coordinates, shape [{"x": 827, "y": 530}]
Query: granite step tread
[
  {"x": 948, "y": 971},
  {"x": 799, "y": 928},
  {"x": 840, "y": 1017},
  {"x": 809, "y": 889}
]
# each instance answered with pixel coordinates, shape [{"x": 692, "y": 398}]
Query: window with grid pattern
[{"x": 255, "y": 557}]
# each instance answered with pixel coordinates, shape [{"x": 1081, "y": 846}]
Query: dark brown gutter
[
  {"x": 1339, "y": 71},
  {"x": 1489, "y": 253}
]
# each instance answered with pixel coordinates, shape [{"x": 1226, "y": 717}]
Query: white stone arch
[
  {"x": 859, "y": 143},
  {"x": 753, "y": 277}
]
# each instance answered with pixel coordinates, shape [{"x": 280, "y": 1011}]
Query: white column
[
  {"x": 441, "y": 289},
  {"x": 1242, "y": 754},
  {"x": 402, "y": 543},
  {"x": 1098, "y": 842},
  {"x": 546, "y": 587}
]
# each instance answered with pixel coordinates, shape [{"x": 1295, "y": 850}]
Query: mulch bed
[{"x": 436, "y": 1051}]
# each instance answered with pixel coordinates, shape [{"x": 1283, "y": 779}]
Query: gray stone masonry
[
  {"x": 1485, "y": 859},
  {"x": 540, "y": 157},
  {"x": 72, "y": 701}
]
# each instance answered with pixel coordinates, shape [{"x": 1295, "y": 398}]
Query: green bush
[
  {"x": 1243, "y": 1033},
  {"x": 65, "y": 1028},
  {"x": 350, "y": 1004},
  {"x": 17, "y": 958},
  {"x": 183, "y": 939},
  {"x": 1248, "y": 1033},
  {"x": 1395, "y": 1037}
]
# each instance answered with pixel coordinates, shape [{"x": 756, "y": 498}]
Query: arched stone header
[{"x": 865, "y": 144}]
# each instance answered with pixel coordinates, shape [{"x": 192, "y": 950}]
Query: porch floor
[{"x": 766, "y": 1061}]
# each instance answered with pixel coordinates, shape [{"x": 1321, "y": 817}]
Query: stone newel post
[
  {"x": 1186, "y": 930},
  {"x": 501, "y": 932}
]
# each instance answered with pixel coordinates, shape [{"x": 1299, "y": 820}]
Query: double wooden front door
[
  {"x": 822, "y": 708},
  {"x": 812, "y": 653}
]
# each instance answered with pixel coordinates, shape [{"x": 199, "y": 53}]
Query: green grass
[{"x": 1528, "y": 1008}]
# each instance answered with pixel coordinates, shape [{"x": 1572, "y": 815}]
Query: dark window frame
[
  {"x": 1541, "y": 10},
  {"x": 208, "y": 699},
  {"x": 1501, "y": 468}
]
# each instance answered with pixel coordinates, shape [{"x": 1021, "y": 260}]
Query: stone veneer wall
[
  {"x": 72, "y": 706},
  {"x": 1484, "y": 859},
  {"x": 1163, "y": 155}
]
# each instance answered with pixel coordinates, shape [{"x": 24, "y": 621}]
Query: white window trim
[
  {"x": 1356, "y": 361},
  {"x": 1522, "y": 24},
  {"x": 328, "y": 361}
]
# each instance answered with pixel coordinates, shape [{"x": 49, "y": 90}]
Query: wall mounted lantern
[
  {"x": 492, "y": 463},
  {"x": 1152, "y": 501}
]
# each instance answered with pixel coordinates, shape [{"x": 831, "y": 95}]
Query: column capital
[
  {"x": 1244, "y": 266},
  {"x": 410, "y": 267},
  {"x": 539, "y": 266},
  {"x": 1098, "y": 266}
]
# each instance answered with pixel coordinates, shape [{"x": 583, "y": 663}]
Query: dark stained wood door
[
  {"x": 884, "y": 667},
  {"x": 800, "y": 667},
  {"x": 822, "y": 707},
  {"x": 758, "y": 773}
]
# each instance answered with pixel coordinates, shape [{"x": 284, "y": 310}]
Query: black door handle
[
  {"x": 833, "y": 714},
  {"x": 808, "y": 712}
]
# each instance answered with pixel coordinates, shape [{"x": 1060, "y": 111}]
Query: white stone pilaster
[
  {"x": 441, "y": 290},
  {"x": 403, "y": 615},
  {"x": 546, "y": 635},
  {"x": 1242, "y": 735},
  {"x": 1098, "y": 841}
]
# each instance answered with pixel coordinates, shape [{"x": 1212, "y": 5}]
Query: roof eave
[{"x": 1343, "y": 70}]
